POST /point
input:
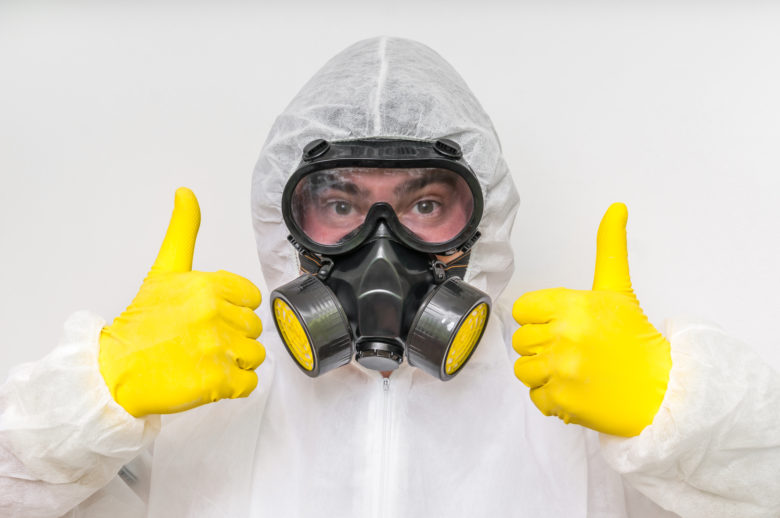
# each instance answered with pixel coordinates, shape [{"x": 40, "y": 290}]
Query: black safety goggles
[{"x": 422, "y": 190}]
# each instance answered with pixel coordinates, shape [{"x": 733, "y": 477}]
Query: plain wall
[{"x": 106, "y": 109}]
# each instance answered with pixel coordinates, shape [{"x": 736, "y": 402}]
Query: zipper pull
[{"x": 386, "y": 384}]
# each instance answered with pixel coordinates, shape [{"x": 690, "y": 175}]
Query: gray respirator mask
[{"x": 374, "y": 222}]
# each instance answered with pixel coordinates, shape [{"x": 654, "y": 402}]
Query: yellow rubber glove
[
  {"x": 188, "y": 338},
  {"x": 592, "y": 357}
]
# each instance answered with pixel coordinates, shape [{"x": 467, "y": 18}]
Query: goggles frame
[{"x": 383, "y": 153}]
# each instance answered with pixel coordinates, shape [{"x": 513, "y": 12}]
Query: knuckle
[
  {"x": 211, "y": 347},
  {"x": 209, "y": 284},
  {"x": 214, "y": 380},
  {"x": 209, "y": 309},
  {"x": 575, "y": 328},
  {"x": 201, "y": 290},
  {"x": 568, "y": 365},
  {"x": 245, "y": 321},
  {"x": 206, "y": 305},
  {"x": 556, "y": 395},
  {"x": 559, "y": 329},
  {"x": 199, "y": 281},
  {"x": 198, "y": 344},
  {"x": 223, "y": 385}
]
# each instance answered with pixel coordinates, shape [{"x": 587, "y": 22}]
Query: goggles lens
[{"x": 433, "y": 204}]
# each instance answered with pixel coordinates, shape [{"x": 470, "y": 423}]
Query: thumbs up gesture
[
  {"x": 188, "y": 337},
  {"x": 592, "y": 357}
]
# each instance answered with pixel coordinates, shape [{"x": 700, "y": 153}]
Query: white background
[{"x": 673, "y": 109}]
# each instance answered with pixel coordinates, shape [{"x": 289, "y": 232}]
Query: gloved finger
[
  {"x": 533, "y": 371},
  {"x": 612, "y": 253},
  {"x": 238, "y": 290},
  {"x": 242, "y": 383},
  {"x": 542, "y": 397},
  {"x": 241, "y": 318},
  {"x": 532, "y": 338},
  {"x": 537, "y": 307},
  {"x": 247, "y": 354},
  {"x": 179, "y": 244}
]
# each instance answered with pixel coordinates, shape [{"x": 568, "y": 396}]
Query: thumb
[
  {"x": 179, "y": 244},
  {"x": 611, "y": 252}
]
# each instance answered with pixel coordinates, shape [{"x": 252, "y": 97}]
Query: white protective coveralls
[{"x": 352, "y": 444}]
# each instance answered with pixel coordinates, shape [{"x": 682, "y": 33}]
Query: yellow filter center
[
  {"x": 293, "y": 334},
  {"x": 466, "y": 338}
]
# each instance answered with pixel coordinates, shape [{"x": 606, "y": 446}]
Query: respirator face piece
[{"x": 370, "y": 220}]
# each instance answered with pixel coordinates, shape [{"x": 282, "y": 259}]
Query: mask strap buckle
[
  {"x": 311, "y": 261},
  {"x": 439, "y": 272},
  {"x": 325, "y": 268}
]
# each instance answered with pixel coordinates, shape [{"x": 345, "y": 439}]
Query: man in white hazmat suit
[{"x": 356, "y": 442}]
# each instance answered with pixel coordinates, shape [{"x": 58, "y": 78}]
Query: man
[{"x": 689, "y": 424}]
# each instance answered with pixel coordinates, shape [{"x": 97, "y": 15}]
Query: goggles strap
[
  {"x": 457, "y": 267},
  {"x": 310, "y": 263}
]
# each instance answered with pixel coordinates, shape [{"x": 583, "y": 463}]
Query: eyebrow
[
  {"x": 435, "y": 176},
  {"x": 347, "y": 187},
  {"x": 322, "y": 181}
]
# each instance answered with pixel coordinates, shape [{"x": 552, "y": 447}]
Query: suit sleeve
[
  {"x": 62, "y": 436},
  {"x": 713, "y": 449}
]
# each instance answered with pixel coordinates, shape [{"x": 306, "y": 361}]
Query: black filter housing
[
  {"x": 323, "y": 320},
  {"x": 437, "y": 322}
]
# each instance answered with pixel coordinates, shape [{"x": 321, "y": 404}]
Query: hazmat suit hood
[
  {"x": 396, "y": 446},
  {"x": 386, "y": 87}
]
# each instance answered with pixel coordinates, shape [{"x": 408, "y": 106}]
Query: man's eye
[
  {"x": 342, "y": 208},
  {"x": 426, "y": 206}
]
